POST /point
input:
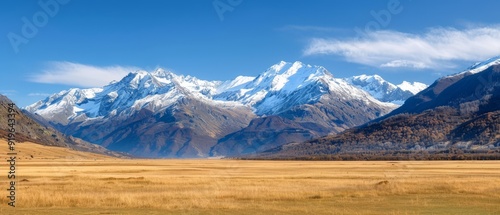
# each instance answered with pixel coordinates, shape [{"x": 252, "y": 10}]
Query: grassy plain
[{"x": 57, "y": 181}]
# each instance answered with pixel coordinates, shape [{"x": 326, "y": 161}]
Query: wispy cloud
[
  {"x": 436, "y": 48},
  {"x": 39, "y": 94},
  {"x": 81, "y": 75},
  {"x": 8, "y": 92}
]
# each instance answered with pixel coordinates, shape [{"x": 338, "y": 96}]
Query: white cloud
[
  {"x": 404, "y": 63},
  {"x": 81, "y": 75},
  {"x": 8, "y": 92},
  {"x": 436, "y": 48},
  {"x": 39, "y": 94}
]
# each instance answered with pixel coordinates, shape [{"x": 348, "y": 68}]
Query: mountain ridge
[
  {"x": 458, "y": 117},
  {"x": 384, "y": 90},
  {"x": 307, "y": 95},
  {"x": 30, "y": 128}
]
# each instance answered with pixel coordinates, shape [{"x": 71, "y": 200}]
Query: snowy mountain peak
[
  {"x": 371, "y": 81},
  {"x": 162, "y": 73},
  {"x": 285, "y": 85},
  {"x": 278, "y": 67},
  {"x": 384, "y": 90},
  {"x": 278, "y": 88},
  {"x": 149, "y": 80},
  {"x": 284, "y": 67},
  {"x": 132, "y": 79},
  {"x": 138, "y": 77},
  {"x": 480, "y": 66},
  {"x": 289, "y": 76},
  {"x": 234, "y": 84},
  {"x": 368, "y": 78},
  {"x": 414, "y": 87}
]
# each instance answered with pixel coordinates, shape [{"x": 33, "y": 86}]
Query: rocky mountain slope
[
  {"x": 34, "y": 130},
  {"x": 458, "y": 113},
  {"x": 302, "y": 102},
  {"x": 155, "y": 114},
  {"x": 161, "y": 114}
]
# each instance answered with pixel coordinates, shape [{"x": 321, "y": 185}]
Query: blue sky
[{"x": 86, "y": 43}]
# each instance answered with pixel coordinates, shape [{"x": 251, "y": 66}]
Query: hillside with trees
[{"x": 458, "y": 117}]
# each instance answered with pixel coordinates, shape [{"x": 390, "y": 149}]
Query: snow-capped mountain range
[
  {"x": 386, "y": 91},
  {"x": 459, "y": 111},
  {"x": 266, "y": 93},
  {"x": 308, "y": 95}
]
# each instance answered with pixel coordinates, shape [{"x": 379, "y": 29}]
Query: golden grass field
[{"x": 60, "y": 181}]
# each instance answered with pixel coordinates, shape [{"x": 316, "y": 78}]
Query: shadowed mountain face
[
  {"x": 30, "y": 128},
  {"x": 262, "y": 134},
  {"x": 457, "y": 91},
  {"x": 188, "y": 128},
  {"x": 456, "y": 112},
  {"x": 160, "y": 114},
  {"x": 27, "y": 128},
  {"x": 329, "y": 115}
]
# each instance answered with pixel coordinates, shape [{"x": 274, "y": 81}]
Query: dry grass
[
  {"x": 32, "y": 151},
  {"x": 102, "y": 185}
]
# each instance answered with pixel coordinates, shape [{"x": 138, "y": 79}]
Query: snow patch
[{"x": 414, "y": 87}]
